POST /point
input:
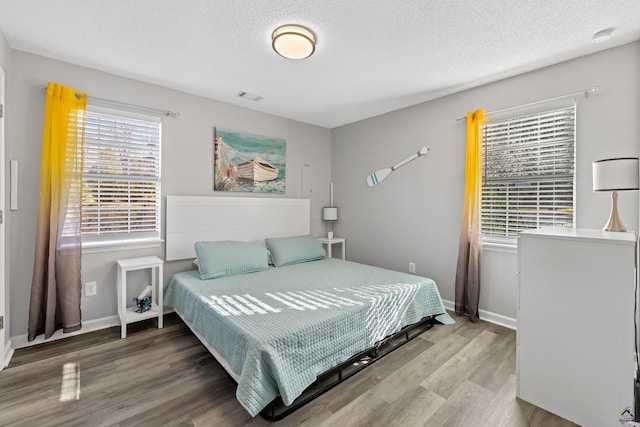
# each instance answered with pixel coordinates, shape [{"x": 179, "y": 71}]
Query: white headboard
[{"x": 205, "y": 218}]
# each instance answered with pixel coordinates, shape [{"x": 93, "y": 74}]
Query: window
[
  {"x": 121, "y": 178},
  {"x": 528, "y": 173}
]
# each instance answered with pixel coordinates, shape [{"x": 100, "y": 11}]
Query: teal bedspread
[{"x": 279, "y": 329}]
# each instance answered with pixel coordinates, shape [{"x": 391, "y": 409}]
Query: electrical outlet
[
  {"x": 412, "y": 267},
  {"x": 90, "y": 289}
]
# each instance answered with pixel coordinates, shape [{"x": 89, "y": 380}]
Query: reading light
[
  {"x": 293, "y": 41},
  {"x": 615, "y": 175}
]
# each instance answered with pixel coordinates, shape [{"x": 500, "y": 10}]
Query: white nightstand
[
  {"x": 126, "y": 310},
  {"x": 331, "y": 242}
]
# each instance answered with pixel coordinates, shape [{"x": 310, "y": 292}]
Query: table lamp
[
  {"x": 616, "y": 174},
  {"x": 330, "y": 213}
]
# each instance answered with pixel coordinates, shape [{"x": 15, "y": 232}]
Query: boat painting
[
  {"x": 247, "y": 162},
  {"x": 257, "y": 169}
]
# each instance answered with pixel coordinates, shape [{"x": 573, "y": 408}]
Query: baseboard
[
  {"x": 8, "y": 353},
  {"x": 21, "y": 341},
  {"x": 488, "y": 316}
]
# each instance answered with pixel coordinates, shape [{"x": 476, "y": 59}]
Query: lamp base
[{"x": 614, "y": 223}]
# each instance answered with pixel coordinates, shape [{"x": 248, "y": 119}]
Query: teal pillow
[
  {"x": 293, "y": 250},
  {"x": 218, "y": 259}
]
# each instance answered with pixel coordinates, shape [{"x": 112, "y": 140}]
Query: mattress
[{"x": 277, "y": 330}]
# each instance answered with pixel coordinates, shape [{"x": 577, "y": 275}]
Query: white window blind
[
  {"x": 528, "y": 173},
  {"x": 121, "y": 178}
]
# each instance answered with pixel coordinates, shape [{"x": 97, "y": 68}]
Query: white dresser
[{"x": 575, "y": 323}]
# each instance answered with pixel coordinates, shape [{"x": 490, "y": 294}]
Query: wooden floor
[{"x": 454, "y": 375}]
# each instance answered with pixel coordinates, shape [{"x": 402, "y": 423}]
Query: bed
[{"x": 276, "y": 313}]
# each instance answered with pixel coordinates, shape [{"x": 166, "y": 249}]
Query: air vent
[{"x": 249, "y": 96}]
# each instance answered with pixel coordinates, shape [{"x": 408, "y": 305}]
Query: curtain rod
[
  {"x": 586, "y": 92},
  {"x": 139, "y": 108}
]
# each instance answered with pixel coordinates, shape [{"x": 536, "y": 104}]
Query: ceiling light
[
  {"x": 293, "y": 42},
  {"x": 602, "y": 36}
]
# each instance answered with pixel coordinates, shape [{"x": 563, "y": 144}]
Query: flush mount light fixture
[
  {"x": 602, "y": 36},
  {"x": 293, "y": 41}
]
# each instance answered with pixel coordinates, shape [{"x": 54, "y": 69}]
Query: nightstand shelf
[
  {"x": 126, "y": 313},
  {"x": 133, "y": 316}
]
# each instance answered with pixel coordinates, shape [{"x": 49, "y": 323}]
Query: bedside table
[
  {"x": 126, "y": 310},
  {"x": 334, "y": 241}
]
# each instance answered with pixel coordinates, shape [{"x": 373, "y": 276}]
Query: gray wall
[
  {"x": 187, "y": 165},
  {"x": 414, "y": 216}
]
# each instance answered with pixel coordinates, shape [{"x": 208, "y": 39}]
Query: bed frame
[
  {"x": 277, "y": 410},
  {"x": 200, "y": 218}
]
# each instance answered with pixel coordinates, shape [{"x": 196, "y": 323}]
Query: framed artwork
[{"x": 247, "y": 162}]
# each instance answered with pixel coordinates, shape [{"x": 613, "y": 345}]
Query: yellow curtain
[
  {"x": 56, "y": 283},
  {"x": 467, "y": 292}
]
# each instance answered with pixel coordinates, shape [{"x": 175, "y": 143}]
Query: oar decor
[{"x": 380, "y": 175}]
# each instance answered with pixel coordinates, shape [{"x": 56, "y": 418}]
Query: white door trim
[{"x": 4, "y": 358}]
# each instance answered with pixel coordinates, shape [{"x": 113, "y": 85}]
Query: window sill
[{"x": 98, "y": 247}]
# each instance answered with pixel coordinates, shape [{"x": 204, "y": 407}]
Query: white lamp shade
[
  {"x": 330, "y": 214},
  {"x": 616, "y": 174}
]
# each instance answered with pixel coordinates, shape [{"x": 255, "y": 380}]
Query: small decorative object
[
  {"x": 142, "y": 305},
  {"x": 246, "y": 162},
  {"x": 143, "y": 302},
  {"x": 378, "y": 176},
  {"x": 616, "y": 174},
  {"x": 330, "y": 213}
]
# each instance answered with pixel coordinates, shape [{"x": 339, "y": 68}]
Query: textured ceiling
[{"x": 372, "y": 56}]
